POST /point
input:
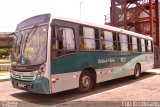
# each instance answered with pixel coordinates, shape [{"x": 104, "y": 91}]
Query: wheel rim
[
  {"x": 137, "y": 71},
  {"x": 85, "y": 81}
]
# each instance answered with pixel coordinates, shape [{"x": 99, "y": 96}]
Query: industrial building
[{"x": 6, "y": 40}]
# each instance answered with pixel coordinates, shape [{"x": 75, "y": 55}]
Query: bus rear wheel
[
  {"x": 85, "y": 82},
  {"x": 137, "y": 71}
]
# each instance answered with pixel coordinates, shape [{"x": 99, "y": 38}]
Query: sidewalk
[
  {"x": 4, "y": 78},
  {"x": 154, "y": 71}
]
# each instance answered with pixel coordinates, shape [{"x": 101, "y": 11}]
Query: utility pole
[{"x": 80, "y": 14}]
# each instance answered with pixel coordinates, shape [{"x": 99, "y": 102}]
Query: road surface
[{"x": 120, "y": 92}]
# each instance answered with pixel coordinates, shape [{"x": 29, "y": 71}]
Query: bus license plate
[{"x": 21, "y": 84}]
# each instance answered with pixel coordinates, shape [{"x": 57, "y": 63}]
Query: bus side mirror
[{"x": 12, "y": 35}]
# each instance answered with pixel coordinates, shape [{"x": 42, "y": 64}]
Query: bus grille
[{"x": 24, "y": 78}]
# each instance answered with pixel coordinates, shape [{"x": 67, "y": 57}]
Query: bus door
[{"x": 63, "y": 68}]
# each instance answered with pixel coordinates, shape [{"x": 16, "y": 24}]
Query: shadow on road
[{"x": 50, "y": 100}]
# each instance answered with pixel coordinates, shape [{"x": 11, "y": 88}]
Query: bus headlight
[
  {"x": 39, "y": 74},
  {"x": 12, "y": 73}
]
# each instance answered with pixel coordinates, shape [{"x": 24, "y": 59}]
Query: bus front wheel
[
  {"x": 137, "y": 71},
  {"x": 85, "y": 82}
]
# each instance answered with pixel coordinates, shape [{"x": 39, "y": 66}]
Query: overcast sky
[{"x": 14, "y": 11}]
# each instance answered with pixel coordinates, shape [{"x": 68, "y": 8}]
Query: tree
[{"x": 4, "y": 51}]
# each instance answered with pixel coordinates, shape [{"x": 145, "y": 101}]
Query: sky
[{"x": 13, "y": 12}]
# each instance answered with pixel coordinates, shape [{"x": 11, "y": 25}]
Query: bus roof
[{"x": 107, "y": 27}]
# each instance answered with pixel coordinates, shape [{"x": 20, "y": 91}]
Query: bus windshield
[{"x": 30, "y": 46}]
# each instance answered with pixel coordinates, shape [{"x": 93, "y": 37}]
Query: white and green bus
[{"x": 53, "y": 54}]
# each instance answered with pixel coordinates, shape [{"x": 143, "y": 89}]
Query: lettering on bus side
[{"x": 107, "y": 60}]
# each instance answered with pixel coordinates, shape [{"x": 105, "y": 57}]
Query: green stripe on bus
[{"x": 97, "y": 60}]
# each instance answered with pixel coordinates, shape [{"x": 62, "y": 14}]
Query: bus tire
[
  {"x": 137, "y": 71},
  {"x": 85, "y": 82}
]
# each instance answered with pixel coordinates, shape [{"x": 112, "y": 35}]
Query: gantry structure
[
  {"x": 140, "y": 16},
  {"x": 136, "y": 15}
]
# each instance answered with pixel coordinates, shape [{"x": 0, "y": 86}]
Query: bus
[{"x": 53, "y": 54}]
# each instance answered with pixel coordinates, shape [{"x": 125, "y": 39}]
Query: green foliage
[{"x": 4, "y": 51}]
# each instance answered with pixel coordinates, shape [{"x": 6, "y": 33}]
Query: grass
[{"x": 5, "y": 62}]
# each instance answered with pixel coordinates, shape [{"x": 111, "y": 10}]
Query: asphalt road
[{"x": 121, "y": 92}]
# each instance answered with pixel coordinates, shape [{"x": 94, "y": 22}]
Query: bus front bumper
[{"x": 40, "y": 85}]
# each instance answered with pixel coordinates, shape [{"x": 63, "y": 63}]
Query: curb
[
  {"x": 4, "y": 78},
  {"x": 157, "y": 72},
  {"x": 7, "y": 79},
  {"x": 153, "y": 73}
]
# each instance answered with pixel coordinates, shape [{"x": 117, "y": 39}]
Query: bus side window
[
  {"x": 134, "y": 44},
  {"x": 146, "y": 45},
  {"x": 129, "y": 43},
  {"x": 97, "y": 39},
  {"x": 115, "y": 44},
  {"x": 63, "y": 41},
  {"x": 89, "y": 38},
  {"x": 118, "y": 42},
  {"x": 152, "y": 45},
  {"x": 149, "y": 46},
  {"x": 139, "y": 44},
  {"x": 54, "y": 46},
  {"x": 123, "y": 42},
  {"x": 82, "y": 44},
  {"x": 107, "y": 40},
  {"x": 143, "y": 45},
  {"x": 60, "y": 38}
]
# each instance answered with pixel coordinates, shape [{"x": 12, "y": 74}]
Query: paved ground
[
  {"x": 113, "y": 93},
  {"x": 3, "y": 67}
]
